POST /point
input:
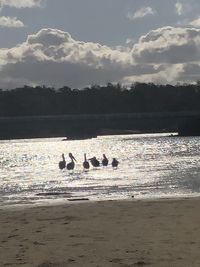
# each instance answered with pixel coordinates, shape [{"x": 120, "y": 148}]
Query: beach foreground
[{"x": 111, "y": 233}]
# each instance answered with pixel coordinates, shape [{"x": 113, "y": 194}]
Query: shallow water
[{"x": 150, "y": 166}]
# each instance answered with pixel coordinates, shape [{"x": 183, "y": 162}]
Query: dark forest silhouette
[{"x": 140, "y": 97}]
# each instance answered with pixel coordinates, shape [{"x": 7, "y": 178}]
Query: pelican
[
  {"x": 86, "y": 164},
  {"x": 71, "y": 165},
  {"x": 104, "y": 160},
  {"x": 115, "y": 163},
  {"x": 62, "y": 163},
  {"x": 94, "y": 162}
]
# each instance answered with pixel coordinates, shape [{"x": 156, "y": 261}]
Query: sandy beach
[{"x": 100, "y": 234}]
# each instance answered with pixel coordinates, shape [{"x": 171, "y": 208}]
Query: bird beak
[{"x": 73, "y": 158}]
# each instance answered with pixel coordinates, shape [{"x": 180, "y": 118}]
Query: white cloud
[
  {"x": 171, "y": 50},
  {"x": 165, "y": 74},
  {"x": 10, "y": 22},
  {"x": 183, "y": 8},
  {"x": 179, "y": 8},
  {"x": 171, "y": 45},
  {"x": 21, "y": 3},
  {"x": 53, "y": 57},
  {"x": 143, "y": 12},
  {"x": 195, "y": 23},
  {"x": 130, "y": 42}
]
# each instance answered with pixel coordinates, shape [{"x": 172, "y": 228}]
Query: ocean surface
[{"x": 151, "y": 166}]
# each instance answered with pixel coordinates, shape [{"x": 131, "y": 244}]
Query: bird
[
  {"x": 62, "y": 163},
  {"x": 104, "y": 160},
  {"x": 71, "y": 165},
  {"x": 94, "y": 162},
  {"x": 86, "y": 164},
  {"x": 115, "y": 163}
]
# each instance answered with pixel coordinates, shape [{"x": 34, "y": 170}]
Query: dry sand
[{"x": 111, "y": 233}]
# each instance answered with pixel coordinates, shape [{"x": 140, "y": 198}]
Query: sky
[{"x": 79, "y": 43}]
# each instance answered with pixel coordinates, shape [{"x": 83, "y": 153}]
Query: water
[{"x": 151, "y": 166}]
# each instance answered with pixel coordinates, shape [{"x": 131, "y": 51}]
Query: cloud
[
  {"x": 10, "y": 22},
  {"x": 170, "y": 45},
  {"x": 172, "y": 50},
  {"x": 52, "y": 57},
  {"x": 195, "y": 23},
  {"x": 179, "y": 8},
  {"x": 143, "y": 12},
  {"x": 21, "y": 3},
  {"x": 165, "y": 74},
  {"x": 190, "y": 72},
  {"x": 182, "y": 8}
]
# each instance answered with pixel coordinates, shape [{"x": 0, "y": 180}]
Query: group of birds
[{"x": 86, "y": 164}]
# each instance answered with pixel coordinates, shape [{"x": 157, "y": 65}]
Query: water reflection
[{"x": 150, "y": 166}]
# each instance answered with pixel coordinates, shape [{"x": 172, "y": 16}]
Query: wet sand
[{"x": 111, "y": 233}]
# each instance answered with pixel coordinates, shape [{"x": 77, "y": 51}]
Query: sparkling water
[{"x": 151, "y": 166}]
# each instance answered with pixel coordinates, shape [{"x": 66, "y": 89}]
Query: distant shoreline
[{"x": 84, "y": 126}]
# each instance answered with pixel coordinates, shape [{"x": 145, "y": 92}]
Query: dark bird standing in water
[
  {"x": 71, "y": 165},
  {"x": 62, "y": 164},
  {"x": 115, "y": 163},
  {"x": 94, "y": 162},
  {"x": 104, "y": 160},
  {"x": 86, "y": 164}
]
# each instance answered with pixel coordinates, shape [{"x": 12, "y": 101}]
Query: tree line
[{"x": 96, "y": 99}]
